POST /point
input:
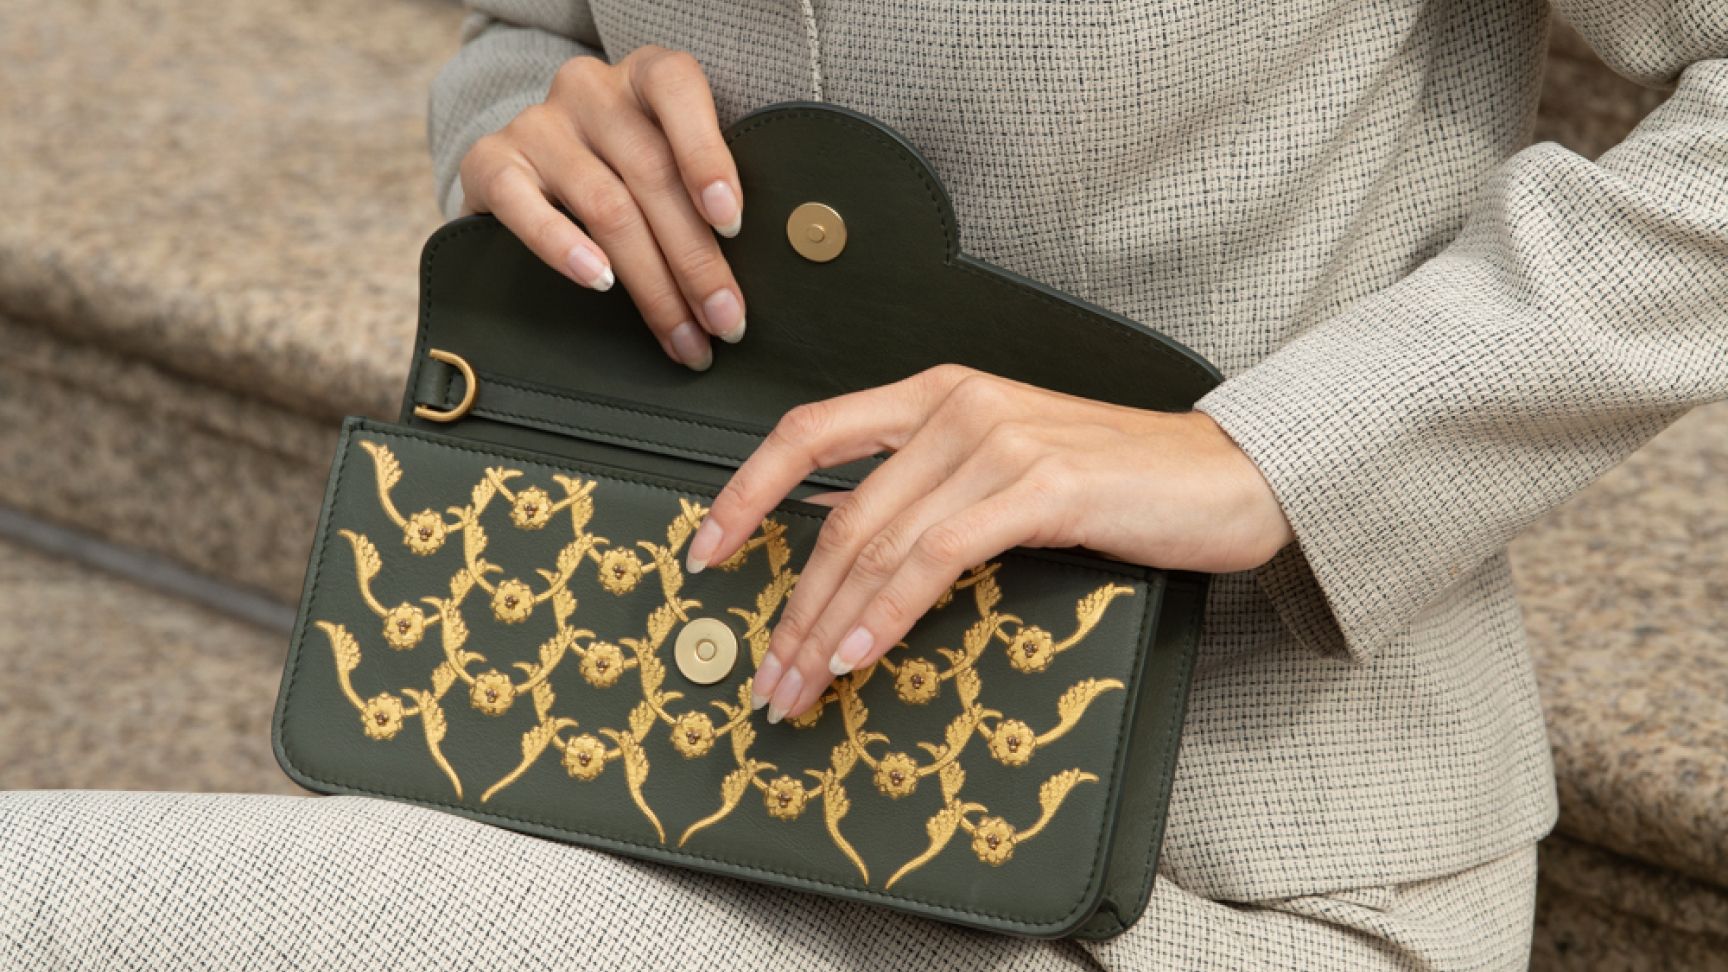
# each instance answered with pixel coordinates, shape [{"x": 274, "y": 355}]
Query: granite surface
[
  {"x": 236, "y": 190},
  {"x": 1625, "y": 592},
  {"x": 1597, "y": 912},
  {"x": 116, "y": 446},
  {"x": 114, "y": 686}
]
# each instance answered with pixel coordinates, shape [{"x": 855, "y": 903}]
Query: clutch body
[{"x": 496, "y": 621}]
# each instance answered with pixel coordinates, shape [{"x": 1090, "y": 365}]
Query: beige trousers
[{"x": 105, "y": 880}]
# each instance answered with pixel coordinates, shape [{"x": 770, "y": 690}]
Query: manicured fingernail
[
  {"x": 589, "y": 268},
  {"x": 722, "y": 206},
  {"x": 691, "y": 346},
  {"x": 762, "y": 684},
  {"x": 725, "y": 315},
  {"x": 852, "y": 650},
  {"x": 702, "y": 545},
  {"x": 785, "y": 695}
]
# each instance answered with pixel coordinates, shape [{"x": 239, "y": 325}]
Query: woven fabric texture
[{"x": 113, "y": 880}]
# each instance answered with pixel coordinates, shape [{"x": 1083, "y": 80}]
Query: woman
[
  {"x": 1431, "y": 338},
  {"x": 1432, "y": 335}
]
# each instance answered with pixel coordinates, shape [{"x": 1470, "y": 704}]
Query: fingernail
[
  {"x": 785, "y": 695},
  {"x": 852, "y": 650},
  {"x": 762, "y": 684},
  {"x": 702, "y": 545},
  {"x": 722, "y": 206},
  {"x": 589, "y": 268},
  {"x": 725, "y": 316},
  {"x": 691, "y": 346}
]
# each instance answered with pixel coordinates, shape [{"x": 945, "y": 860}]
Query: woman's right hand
[{"x": 634, "y": 150}]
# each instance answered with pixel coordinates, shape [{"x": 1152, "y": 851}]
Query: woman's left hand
[{"x": 980, "y": 464}]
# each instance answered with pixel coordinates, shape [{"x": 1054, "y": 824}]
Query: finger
[
  {"x": 908, "y": 478},
  {"x": 834, "y": 644},
  {"x": 827, "y": 499},
  {"x": 941, "y": 555},
  {"x": 813, "y": 436},
  {"x": 638, "y": 151},
  {"x": 514, "y": 194},
  {"x": 674, "y": 89},
  {"x": 590, "y": 189}
]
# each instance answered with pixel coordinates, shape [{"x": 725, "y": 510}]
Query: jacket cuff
[{"x": 1336, "y": 423}]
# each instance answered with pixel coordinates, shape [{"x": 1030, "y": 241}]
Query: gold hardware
[
  {"x": 817, "y": 232},
  {"x": 706, "y": 650},
  {"x": 470, "y": 388}
]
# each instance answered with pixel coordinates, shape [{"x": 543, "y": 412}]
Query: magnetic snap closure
[
  {"x": 705, "y": 650},
  {"x": 816, "y": 231}
]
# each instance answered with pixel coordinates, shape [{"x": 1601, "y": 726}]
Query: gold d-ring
[{"x": 470, "y": 388}]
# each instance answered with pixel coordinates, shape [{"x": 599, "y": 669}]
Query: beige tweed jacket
[{"x": 1432, "y": 331}]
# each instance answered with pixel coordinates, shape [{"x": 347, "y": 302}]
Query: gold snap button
[
  {"x": 706, "y": 650},
  {"x": 816, "y": 231}
]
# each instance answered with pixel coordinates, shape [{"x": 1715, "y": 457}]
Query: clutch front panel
[{"x": 496, "y": 632}]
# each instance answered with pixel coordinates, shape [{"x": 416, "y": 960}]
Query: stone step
[{"x": 119, "y": 686}]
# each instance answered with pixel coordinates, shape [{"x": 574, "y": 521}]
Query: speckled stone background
[{"x": 213, "y": 216}]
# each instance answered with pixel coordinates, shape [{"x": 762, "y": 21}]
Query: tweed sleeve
[
  {"x": 1582, "y": 308},
  {"x": 510, "y": 51}
]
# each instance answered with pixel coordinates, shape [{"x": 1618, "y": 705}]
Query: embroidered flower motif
[
  {"x": 917, "y": 681},
  {"x": 785, "y": 798},
  {"x": 492, "y": 692},
  {"x": 807, "y": 718},
  {"x": 1013, "y": 742},
  {"x": 1031, "y": 649},
  {"x": 532, "y": 509},
  {"x": 424, "y": 532},
  {"x": 896, "y": 775},
  {"x": 993, "y": 840},
  {"x": 602, "y": 664},
  {"x": 512, "y": 602},
  {"x": 620, "y": 570},
  {"x": 585, "y": 756},
  {"x": 404, "y": 626},
  {"x": 693, "y": 734},
  {"x": 382, "y": 718}
]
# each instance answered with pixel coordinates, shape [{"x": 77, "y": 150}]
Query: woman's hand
[
  {"x": 980, "y": 464},
  {"x": 635, "y": 151}
]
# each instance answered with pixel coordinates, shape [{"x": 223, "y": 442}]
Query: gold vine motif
[{"x": 693, "y": 733}]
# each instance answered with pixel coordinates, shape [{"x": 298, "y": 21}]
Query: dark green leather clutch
[{"x": 495, "y": 621}]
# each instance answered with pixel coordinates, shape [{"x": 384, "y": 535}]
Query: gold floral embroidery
[
  {"x": 585, "y": 756},
  {"x": 512, "y": 602},
  {"x": 896, "y": 775},
  {"x": 1013, "y": 742},
  {"x": 693, "y": 732},
  {"x": 1031, "y": 649},
  {"x": 785, "y": 797},
  {"x": 916, "y": 681},
  {"x": 531, "y": 509},
  {"x": 404, "y": 626},
  {"x": 491, "y": 692},
  {"x": 382, "y": 716},
  {"x": 424, "y": 532},
  {"x": 603, "y": 664},
  {"x": 620, "y": 570},
  {"x": 993, "y": 840}
]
